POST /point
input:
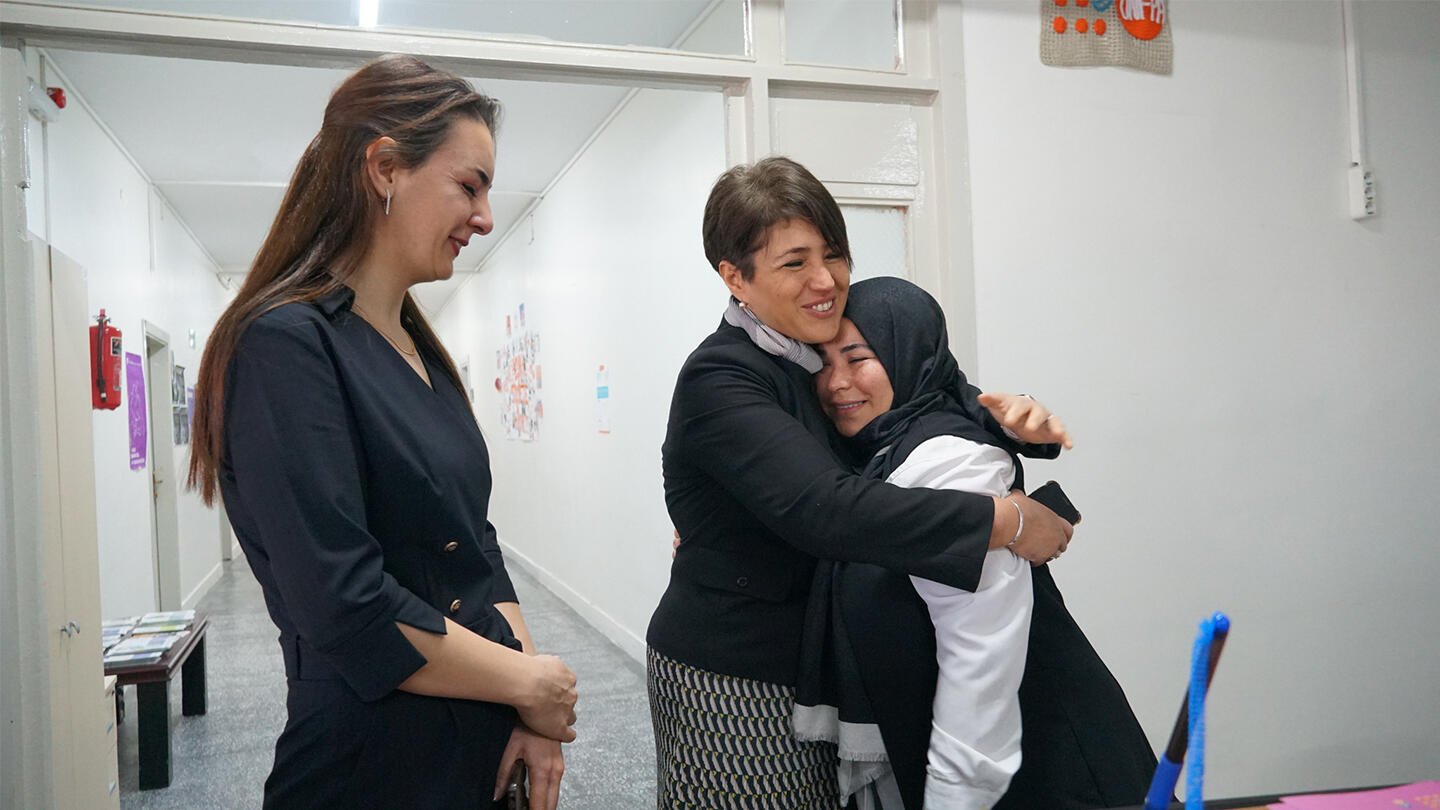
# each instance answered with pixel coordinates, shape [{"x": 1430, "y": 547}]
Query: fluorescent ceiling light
[{"x": 369, "y": 13}]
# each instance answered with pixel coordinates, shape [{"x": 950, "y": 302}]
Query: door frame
[{"x": 164, "y": 509}]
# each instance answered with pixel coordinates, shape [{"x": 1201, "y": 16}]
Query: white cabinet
[{"x": 82, "y": 718}]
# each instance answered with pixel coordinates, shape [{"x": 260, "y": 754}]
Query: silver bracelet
[{"x": 1018, "y": 529}]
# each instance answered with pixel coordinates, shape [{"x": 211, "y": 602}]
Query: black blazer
[
  {"x": 359, "y": 496},
  {"x": 757, "y": 491}
]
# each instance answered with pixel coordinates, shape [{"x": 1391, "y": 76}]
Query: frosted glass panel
[
  {"x": 878, "y": 242},
  {"x": 848, "y": 33},
  {"x": 687, "y": 25}
]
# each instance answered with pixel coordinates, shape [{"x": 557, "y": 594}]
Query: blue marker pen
[{"x": 1167, "y": 772}]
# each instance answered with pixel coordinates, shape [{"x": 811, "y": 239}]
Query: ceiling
[
  {"x": 220, "y": 139},
  {"x": 646, "y": 23}
]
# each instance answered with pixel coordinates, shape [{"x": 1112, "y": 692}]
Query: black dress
[
  {"x": 359, "y": 495},
  {"x": 1081, "y": 746}
]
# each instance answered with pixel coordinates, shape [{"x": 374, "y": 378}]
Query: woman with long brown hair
[{"x": 332, "y": 422}]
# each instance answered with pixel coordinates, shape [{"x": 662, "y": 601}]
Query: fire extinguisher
[{"x": 105, "y": 364}]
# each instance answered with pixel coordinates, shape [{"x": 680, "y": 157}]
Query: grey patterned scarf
[{"x": 771, "y": 341}]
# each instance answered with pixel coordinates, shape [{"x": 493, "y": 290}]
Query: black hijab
[{"x": 905, "y": 328}]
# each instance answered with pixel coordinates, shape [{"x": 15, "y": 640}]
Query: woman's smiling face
[
  {"x": 852, "y": 384},
  {"x": 440, "y": 204},
  {"x": 798, "y": 285}
]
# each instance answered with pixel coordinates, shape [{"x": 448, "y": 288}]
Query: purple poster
[{"x": 139, "y": 421}]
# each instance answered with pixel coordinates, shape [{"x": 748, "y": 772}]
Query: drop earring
[{"x": 387, "y": 202}]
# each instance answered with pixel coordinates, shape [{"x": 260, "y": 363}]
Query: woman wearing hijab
[
  {"x": 869, "y": 662},
  {"x": 754, "y": 486}
]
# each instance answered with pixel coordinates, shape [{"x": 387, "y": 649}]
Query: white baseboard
[
  {"x": 206, "y": 583},
  {"x": 633, "y": 645}
]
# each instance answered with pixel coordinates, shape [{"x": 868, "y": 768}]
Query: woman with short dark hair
[
  {"x": 754, "y": 485},
  {"x": 334, "y": 425}
]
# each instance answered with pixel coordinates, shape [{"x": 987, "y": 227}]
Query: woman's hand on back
[
  {"x": 1027, "y": 418},
  {"x": 1041, "y": 538},
  {"x": 549, "y": 703}
]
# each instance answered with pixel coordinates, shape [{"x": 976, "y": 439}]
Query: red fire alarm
[{"x": 57, "y": 95}]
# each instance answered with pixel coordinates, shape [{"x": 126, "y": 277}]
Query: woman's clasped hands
[
  {"x": 548, "y": 705},
  {"x": 547, "y": 717}
]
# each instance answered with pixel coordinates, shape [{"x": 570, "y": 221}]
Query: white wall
[
  {"x": 611, "y": 270},
  {"x": 1250, "y": 375},
  {"x": 141, "y": 264}
]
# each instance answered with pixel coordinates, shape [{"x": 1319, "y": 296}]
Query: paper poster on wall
[
  {"x": 190, "y": 407},
  {"x": 602, "y": 399},
  {"x": 179, "y": 406},
  {"x": 519, "y": 380},
  {"x": 1122, "y": 33},
  {"x": 465, "y": 382},
  {"x": 135, "y": 392}
]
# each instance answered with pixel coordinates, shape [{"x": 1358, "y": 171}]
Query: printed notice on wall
[
  {"x": 139, "y": 422},
  {"x": 602, "y": 399}
]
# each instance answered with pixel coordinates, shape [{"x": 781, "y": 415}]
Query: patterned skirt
[{"x": 723, "y": 742}]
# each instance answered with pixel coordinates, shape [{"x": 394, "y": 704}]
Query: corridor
[{"x": 220, "y": 759}]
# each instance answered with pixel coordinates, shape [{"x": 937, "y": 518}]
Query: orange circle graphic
[{"x": 1142, "y": 18}]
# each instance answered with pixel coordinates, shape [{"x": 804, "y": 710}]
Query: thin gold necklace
[{"x": 410, "y": 351}]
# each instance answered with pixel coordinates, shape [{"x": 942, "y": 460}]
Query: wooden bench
[{"x": 152, "y": 696}]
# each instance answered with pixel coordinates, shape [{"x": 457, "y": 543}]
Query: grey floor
[{"x": 221, "y": 758}]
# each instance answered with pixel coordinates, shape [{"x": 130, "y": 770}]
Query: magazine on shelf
[
  {"x": 113, "y": 630},
  {"x": 114, "y": 660},
  {"x": 108, "y": 639},
  {"x": 158, "y": 643},
  {"x": 183, "y": 617},
  {"x": 159, "y": 627}
]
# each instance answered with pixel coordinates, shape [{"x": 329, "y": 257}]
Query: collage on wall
[{"x": 518, "y": 380}]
